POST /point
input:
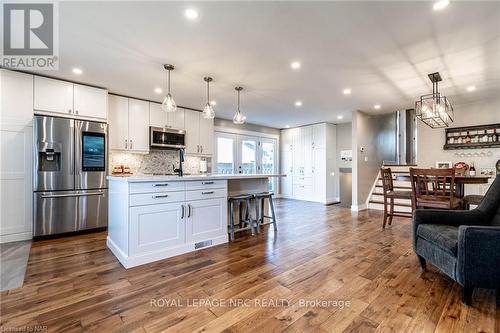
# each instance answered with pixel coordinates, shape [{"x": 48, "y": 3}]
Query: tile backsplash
[{"x": 157, "y": 161}]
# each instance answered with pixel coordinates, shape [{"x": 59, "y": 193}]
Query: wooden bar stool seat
[
  {"x": 260, "y": 199},
  {"x": 244, "y": 223}
]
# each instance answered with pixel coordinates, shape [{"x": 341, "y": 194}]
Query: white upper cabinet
[
  {"x": 157, "y": 117},
  {"x": 319, "y": 136},
  {"x": 175, "y": 119},
  {"x": 68, "y": 99},
  {"x": 128, "y": 124},
  {"x": 138, "y": 125},
  {"x": 160, "y": 118},
  {"x": 206, "y": 135},
  {"x": 118, "y": 122},
  {"x": 192, "y": 132},
  {"x": 53, "y": 95},
  {"x": 16, "y": 101},
  {"x": 90, "y": 102}
]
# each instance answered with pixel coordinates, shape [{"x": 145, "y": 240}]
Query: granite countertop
[{"x": 155, "y": 178}]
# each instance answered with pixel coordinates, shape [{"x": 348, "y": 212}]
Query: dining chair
[
  {"x": 434, "y": 188},
  {"x": 390, "y": 195}
]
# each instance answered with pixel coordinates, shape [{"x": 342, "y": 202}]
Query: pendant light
[
  {"x": 434, "y": 109},
  {"x": 168, "y": 104},
  {"x": 208, "y": 110},
  {"x": 239, "y": 118}
]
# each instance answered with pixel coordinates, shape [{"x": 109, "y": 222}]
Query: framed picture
[{"x": 444, "y": 165}]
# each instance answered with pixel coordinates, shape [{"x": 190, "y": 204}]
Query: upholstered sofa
[{"x": 465, "y": 245}]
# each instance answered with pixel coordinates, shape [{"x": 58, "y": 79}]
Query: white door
[
  {"x": 138, "y": 125},
  {"x": 225, "y": 153},
  {"x": 268, "y": 160},
  {"x": 53, "y": 95},
  {"x": 192, "y": 126},
  {"x": 90, "y": 102},
  {"x": 247, "y": 154},
  {"x": 118, "y": 122},
  {"x": 157, "y": 117},
  {"x": 207, "y": 219},
  {"x": 156, "y": 227},
  {"x": 206, "y": 136},
  {"x": 175, "y": 119}
]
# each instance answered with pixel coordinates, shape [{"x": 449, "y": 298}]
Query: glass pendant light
[
  {"x": 168, "y": 104},
  {"x": 208, "y": 110},
  {"x": 239, "y": 118}
]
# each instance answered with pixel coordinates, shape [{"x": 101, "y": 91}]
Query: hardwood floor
[{"x": 320, "y": 252}]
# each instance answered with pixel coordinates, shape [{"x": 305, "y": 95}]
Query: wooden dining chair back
[
  {"x": 390, "y": 195},
  {"x": 434, "y": 188}
]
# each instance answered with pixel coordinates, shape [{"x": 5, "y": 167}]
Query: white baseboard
[
  {"x": 358, "y": 208},
  {"x": 146, "y": 258},
  {"x": 16, "y": 237}
]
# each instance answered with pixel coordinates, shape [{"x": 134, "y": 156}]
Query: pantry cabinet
[
  {"x": 128, "y": 124},
  {"x": 308, "y": 160},
  {"x": 66, "y": 99}
]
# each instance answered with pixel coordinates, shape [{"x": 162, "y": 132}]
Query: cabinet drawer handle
[
  {"x": 207, "y": 183},
  {"x": 158, "y": 185},
  {"x": 160, "y": 196},
  {"x": 209, "y": 192}
]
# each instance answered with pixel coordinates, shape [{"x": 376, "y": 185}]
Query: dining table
[{"x": 460, "y": 181}]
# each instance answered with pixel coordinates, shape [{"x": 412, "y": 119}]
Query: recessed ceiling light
[
  {"x": 287, "y": 126},
  {"x": 213, "y": 103},
  {"x": 346, "y": 91},
  {"x": 340, "y": 117},
  {"x": 376, "y": 106},
  {"x": 191, "y": 14},
  {"x": 158, "y": 90},
  {"x": 441, "y": 4},
  {"x": 295, "y": 65},
  {"x": 77, "y": 71},
  {"x": 471, "y": 88},
  {"x": 298, "y": 103}
]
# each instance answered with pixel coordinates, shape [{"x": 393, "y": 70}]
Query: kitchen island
[{"x": 157, "y": 217}]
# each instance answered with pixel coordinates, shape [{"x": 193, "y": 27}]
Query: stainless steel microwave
[{"x": 166, "y": 138}]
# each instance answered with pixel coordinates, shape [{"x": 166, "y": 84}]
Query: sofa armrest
[{"x": 478, "y": 262}]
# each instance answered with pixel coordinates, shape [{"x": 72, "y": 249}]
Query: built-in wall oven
[
  {"x": 166, "y": 138},
  {"x": 70, "y": 164}
]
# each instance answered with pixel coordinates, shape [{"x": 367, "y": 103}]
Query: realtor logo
[{"x": 30, "y": 36}]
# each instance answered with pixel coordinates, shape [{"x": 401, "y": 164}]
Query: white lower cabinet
[
  {"x": 207, "y": 219},
  {"x": 150, "y": 221},
  {"x": 156, "y": 227}
]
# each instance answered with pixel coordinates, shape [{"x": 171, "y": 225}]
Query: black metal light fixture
[
  {"x": 239, "y": 118},
  {"x": 208, "y": 110},
  {"x": 168, "y": 104},
  {"x": 434, "y": 110}
]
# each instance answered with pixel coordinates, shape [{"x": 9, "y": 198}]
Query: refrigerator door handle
[{"x": 69, "y": 195}]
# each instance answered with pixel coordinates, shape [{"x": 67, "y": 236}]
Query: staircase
[{"x": 376, "y": 198}]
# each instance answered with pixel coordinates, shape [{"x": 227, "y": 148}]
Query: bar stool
[
  {"x": 260, "y": 199},
  {"x": 240, "y": 200}
]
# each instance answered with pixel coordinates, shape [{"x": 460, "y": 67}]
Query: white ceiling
[{"x": 383, "y": 51}]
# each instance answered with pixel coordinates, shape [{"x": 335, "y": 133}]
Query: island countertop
[{"x": 170, "y": 178}]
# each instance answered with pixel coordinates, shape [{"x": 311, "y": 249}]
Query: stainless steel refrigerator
[{"x": 70, "y": 167}]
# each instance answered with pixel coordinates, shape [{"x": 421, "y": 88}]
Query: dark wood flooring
[{"x": 320, "y": 253}]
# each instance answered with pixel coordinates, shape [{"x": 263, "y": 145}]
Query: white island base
[{"x": 158, "y": 217}]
